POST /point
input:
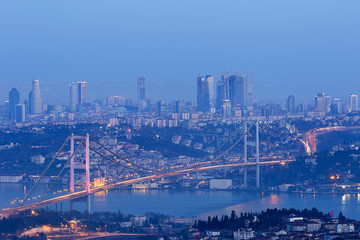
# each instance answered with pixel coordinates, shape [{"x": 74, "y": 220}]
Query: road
[
  {"x": 310, "y": 138},
  {"x": 75, "y": 195}
]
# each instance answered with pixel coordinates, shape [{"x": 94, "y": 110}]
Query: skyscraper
[
  {"x": 141, "y": 93},
  {"x": 226, "y": 109},
  {"x": 81, "y": 93},
  {"x": 222, "y": 91},
  {"x": 210, "y": 82},
  {"x": 20, "y": 114},
  {"x": 205, "y": 92},
  {"x": 240, "y": 91},
  {"x": 72, "y": 97},
  {"x": 14, "y": 98},
  {"x": 322, "y": 103},
  {"x": 162, "y": 108},
  {"x": 290, "y": 104},
  {"x": 180, "y": 106},
  {"x": 141, "y": 89},
  {"x": 35, "y": 102},
  {"x": 354, "y": 102}
]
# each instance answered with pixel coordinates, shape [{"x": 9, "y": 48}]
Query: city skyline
[{"x": 290, "y": 52}]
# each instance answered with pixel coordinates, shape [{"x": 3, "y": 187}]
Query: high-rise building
[
  {"x": 141, "y": 89},
  {"x": 35, "y": 102},
  {"x": 205, "y": 92},
  {"x": 81, "y": 93},
  {"x": 20, "y": 114},
  {"x": 141, "y": 93},
  {"x": 210, "y": 82},
  {"x": 226, "y": 109},
  {"x": 222, "y": 91},
  {"x": 162, "y": 108},
  {"x": 354, "y": 102},
  {"x": 72, "y": 97},
  {"x": 290, "y": 104},
  {"x": 14, "y": 98},
  {"x": 336, "y": 107},
  {"x": 320, "y": 103},
  {"x": 180, "y": 106},
  {"x": 240, "y": 91}
]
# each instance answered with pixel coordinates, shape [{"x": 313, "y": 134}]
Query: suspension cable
[
  {"x": 227, "y": 140},
  {"x": 219, "y": 156},
  {"x": 114, "y": 161},
  {"x": 116, "y": 155},
  {"x": 46, "y": 169},
  {"x": 62, "y": 170},
  {"x": 271, "y": 144}
]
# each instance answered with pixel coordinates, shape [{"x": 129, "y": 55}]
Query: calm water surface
[{"x": 192, "y": 203}]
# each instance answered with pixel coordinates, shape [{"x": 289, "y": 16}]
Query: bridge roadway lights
[{"x": 74, "y": 166}]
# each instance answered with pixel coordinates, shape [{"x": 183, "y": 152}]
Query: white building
[
  {"x": 244, "y": 234},
  {"x": 220, "y": 183},
  {"x": 354, "y": 102},
  {"x": 38, "y": 159},
  {"x": 345, "y": 228}
]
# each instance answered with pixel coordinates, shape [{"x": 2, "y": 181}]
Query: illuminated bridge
[{"x": 145, "y": 173}]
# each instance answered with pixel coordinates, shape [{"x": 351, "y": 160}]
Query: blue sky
[{"x": 294, "y": 47}]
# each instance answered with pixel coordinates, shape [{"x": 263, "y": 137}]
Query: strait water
[{"x": 192, "y": 203}]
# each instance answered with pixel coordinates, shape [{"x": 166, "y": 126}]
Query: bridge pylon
[{"x": 74, "y": 165}]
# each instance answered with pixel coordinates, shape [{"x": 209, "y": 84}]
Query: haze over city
[
  {"x": 298, "y": 48},
  {"x": 179, "y": 120}
]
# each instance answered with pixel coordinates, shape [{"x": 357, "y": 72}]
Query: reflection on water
[{"x": 194, "y": 203}]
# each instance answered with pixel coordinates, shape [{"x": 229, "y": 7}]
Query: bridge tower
[
  {"x": 74, "y": 166},
  {"x": 257, "y": 156},
  {"x": 245, "y": 154}
]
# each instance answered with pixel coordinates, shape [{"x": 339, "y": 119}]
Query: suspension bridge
[{"x": 145, "y": 173}]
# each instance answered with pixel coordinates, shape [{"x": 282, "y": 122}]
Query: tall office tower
[
  {"x": 35, "y": 102},
  {"x": 327, "y": 104},
  {"x": 354, "y": 102},
  {"x": 141, "y": 93},
  {"x": 210, "y": 82},
  {"x": 162, "y": 108},
  {"x": 72, "y": 97},
  {"x": 141, "y": 89},
  {"x": 337, "y": 107},
  {"x": 203, "y": 94},
  {"x": 222, "y": 91},
  {"x": 180, "y": 106},
  {"x": 290, "y": 104},
  {"x": 14, "y": 98},
  {"x": 320, "y": 105},
  {"x": 249, "y": 97},
  {"x": 238, "y": 91},
  {"x": 220, "y": 94},
  {"x": 226, "y": 109},
  {"x": 81, "y": 93},
  {"x": 20, "y": 114}
]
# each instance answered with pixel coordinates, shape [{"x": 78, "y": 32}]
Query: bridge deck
[{"x": 75, "y": 195}]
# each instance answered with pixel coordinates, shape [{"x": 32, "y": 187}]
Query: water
[{"x": 193, "y": 203}]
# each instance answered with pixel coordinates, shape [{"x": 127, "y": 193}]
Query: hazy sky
[{"x": 294, "y": 47}]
